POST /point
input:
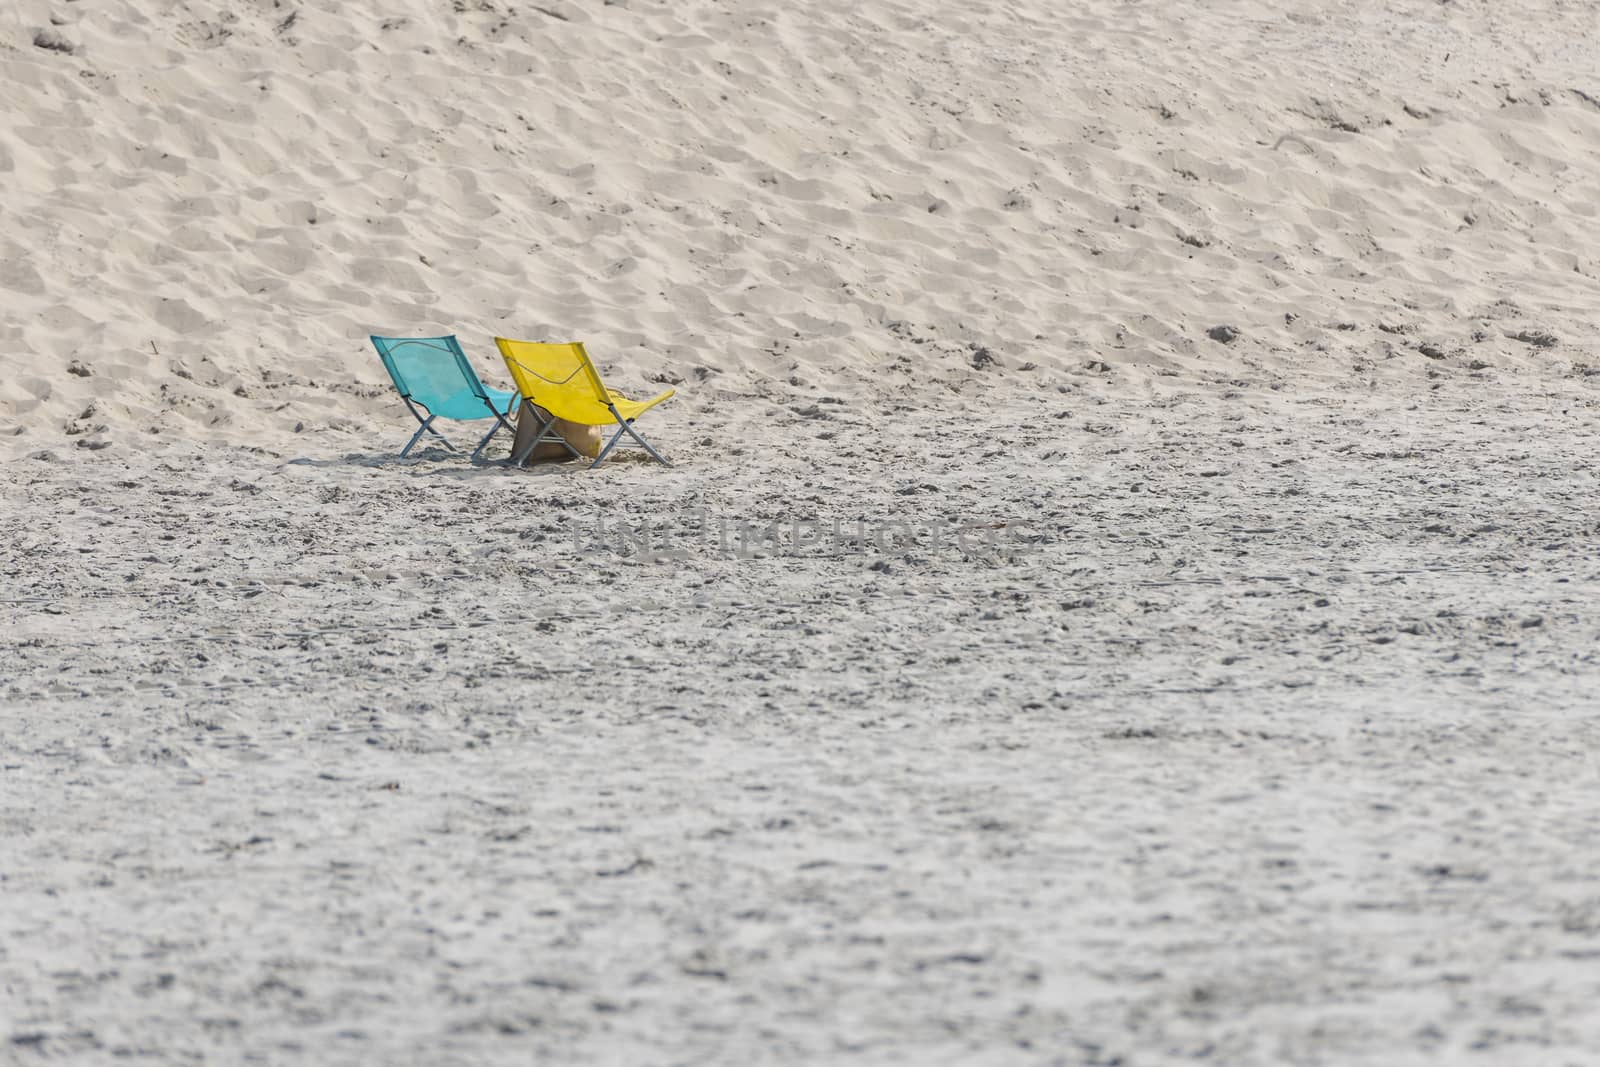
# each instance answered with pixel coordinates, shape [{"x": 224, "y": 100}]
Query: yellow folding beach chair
[{"x": 562, "y": 380}]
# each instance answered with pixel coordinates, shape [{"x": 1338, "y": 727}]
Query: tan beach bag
[{"x": 584, "y": 438}]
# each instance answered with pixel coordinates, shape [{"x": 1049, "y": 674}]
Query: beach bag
[{"x": 585, "y": 438}]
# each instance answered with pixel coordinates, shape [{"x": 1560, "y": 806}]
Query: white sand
[{"x": 1251, "y": 720}]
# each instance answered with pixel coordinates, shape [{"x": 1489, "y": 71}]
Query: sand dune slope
[{"x": 207, "y": 206}]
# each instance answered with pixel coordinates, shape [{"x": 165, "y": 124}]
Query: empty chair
[
  {"x": 433, "y": 373},
  {"x": 562, "y": 380}
]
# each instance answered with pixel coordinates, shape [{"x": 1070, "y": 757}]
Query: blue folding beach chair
[{"x": 433, "y": 373}]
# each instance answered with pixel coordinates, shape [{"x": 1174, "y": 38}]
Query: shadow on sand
[{"x": 434, "y": 462}]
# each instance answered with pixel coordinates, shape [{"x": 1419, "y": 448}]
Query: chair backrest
[
  {"x": 559, "y": 378},
  {"x": 434, "y": 372}
]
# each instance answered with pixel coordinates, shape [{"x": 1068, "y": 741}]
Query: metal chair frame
[
  {"x": 586, "y": 367},
  {"x": 452, "y": 347}
]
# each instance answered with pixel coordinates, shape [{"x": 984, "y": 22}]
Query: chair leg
[
  {"x": 486, "y": 439},
  {"x": 646, "y": 446},
  {"x": 500, "y": 420},
  {"x": 626, "y": 427},
  {"x": 519, "y": 460},
  {"x": 557, "y": 438},
  {"x": 425, "y": 428},
  {"x": 606, "y": 451}
]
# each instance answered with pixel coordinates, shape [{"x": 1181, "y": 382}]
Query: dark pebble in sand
[
  {"x": 54, "y": 41},
  {"x": 1536, "y": 338}
]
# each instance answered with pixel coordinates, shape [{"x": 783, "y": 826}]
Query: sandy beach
[{"x": 1125, "y": 593}]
